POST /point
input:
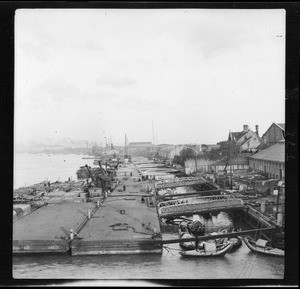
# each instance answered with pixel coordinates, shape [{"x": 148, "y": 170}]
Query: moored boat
[
  {"x": 183, "y": 232},
  {"x": 236, "y": 241},
  {"x": 209, "y": 250},
  {"x": 262, "y": 246}
]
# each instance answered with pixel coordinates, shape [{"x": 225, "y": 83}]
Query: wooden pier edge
[
  {"x": 40, "y": 246},
  {"x": 102, "y": 247}
]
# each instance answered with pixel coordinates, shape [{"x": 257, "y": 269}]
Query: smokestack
[
  {"x": 246, "y": 127},
  {"x": 256, "y": 129}
]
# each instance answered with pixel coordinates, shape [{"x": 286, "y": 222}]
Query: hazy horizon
[{"x": 188, "y": 75}]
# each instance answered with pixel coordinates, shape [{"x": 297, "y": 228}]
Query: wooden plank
[{"x": 39, "y": 242}]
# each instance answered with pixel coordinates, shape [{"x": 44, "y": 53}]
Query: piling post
[
  {"x": 279, "y": 219},
  {"x": 263, "y": 207}
]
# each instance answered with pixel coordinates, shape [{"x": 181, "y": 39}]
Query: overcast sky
[{"x": 197, "y": 73}]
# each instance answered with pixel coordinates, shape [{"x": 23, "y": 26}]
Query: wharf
[
  {"x": 125, "y": 222},
  {"x": 45, "y": 229}
]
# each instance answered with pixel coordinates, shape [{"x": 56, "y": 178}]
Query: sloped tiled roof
[
  {"x": 274, "y": 153},
  {"x": 237, "y": 135},
  {"x": 247, "y": 138},
  {"x": 281, "y": 125},
  {"x": 262, "y": 146}
]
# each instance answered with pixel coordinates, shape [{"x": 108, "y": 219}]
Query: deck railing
[{"x": 185, "y": 206}]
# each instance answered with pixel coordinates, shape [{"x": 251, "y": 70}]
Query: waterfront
[
  {"x": 239, "y": 264},
  {"x": 30, "y": 168}
]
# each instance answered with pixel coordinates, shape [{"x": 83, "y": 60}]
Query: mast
[
  {"x": 125, "y": 144},
  {"x": 153, "y": 136},
  {"x": 230, "y": 161}
]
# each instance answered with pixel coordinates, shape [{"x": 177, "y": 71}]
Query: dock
[
  {"x": 125, "y": 222},
  {"x": 121, "y": 225},
  {"x": 46, "y": 229}
]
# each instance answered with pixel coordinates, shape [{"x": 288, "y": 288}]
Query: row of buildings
[{"x": 265, "y": 154}]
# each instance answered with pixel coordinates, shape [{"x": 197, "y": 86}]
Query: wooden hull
[
  {"x": 201, "y": 253},
  {"x": 271, "y": 252},
  {"x": 237, "y": 242},
  {"x": 186, "y": 245}
]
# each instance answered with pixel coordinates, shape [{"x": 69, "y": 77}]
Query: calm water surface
[{"x": 238, "y": 264}]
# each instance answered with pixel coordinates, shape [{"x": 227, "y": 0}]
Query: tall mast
[
  {"x": 153, "y": 136},
  {"x": 125, "y": 144},
  {"x": 153, "y": 132},
  {"x": 230, "y": 162}
]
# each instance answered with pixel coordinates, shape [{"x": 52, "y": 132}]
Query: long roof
[
  {"x": 139, "y": 144},
  {"x": 275, "y": 153}
]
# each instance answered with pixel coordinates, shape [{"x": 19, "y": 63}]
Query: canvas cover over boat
[
  {"x": 210, "y": 247},
  {"x": 261, "y": 243}
]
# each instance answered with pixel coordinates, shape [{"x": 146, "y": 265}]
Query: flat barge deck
[
  {"x": 123, "y": 223},
  {"x": 45, "y": 229}
]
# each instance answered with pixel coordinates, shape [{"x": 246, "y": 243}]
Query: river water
[{"x": 238, "y": 264}]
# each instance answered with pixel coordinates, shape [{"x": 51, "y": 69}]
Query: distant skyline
[{"x": 88, "y": 74}]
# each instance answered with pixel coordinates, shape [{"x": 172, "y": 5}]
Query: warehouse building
[{"x": 270, "y": 161}]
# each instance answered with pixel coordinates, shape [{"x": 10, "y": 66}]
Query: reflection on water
[{"x": 240, "y": 264}]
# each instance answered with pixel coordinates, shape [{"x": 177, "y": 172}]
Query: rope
[
  {"x": 169, "y": 250},
  {"x": 255, "y": 255},
  {"x": 249, "y": 262}
]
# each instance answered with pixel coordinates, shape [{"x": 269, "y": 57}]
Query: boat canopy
[
  {"x": 210, "y": 247},
  {"x": 261, "y": 243}
]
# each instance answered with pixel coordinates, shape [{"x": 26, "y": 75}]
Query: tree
[{"x": 187, "y": 153}]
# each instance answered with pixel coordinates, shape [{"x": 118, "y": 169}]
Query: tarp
[
  {"x": 261, "y": 243},
  {"x": 210, "y": 247}
]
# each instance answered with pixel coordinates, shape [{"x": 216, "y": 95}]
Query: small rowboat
[
  {"x": 237, "y": 242},
  {"x": 183, "y": 232},
  {"x": 262, "y": 246},
  {"x": 209, "y": 250},
  {"x": 190, "y": 245}
]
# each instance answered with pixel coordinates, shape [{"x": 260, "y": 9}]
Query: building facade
[
  {"x": 270, "y": 161},
  {"x": 274, "y": 134},
  {"x": 238, "y": 164},
  {"x": 246, "y": 141},
  {"x": 170, "y": 151},
  {"x": 140, "y": 149}
]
